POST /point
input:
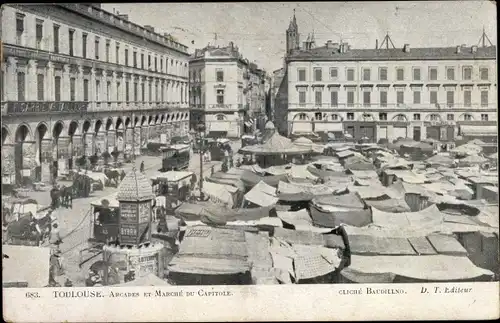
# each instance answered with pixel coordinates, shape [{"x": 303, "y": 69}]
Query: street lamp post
[{"x": 200, "y": 130}]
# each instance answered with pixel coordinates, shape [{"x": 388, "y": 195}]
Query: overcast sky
[{"x": 258, "y": 29}]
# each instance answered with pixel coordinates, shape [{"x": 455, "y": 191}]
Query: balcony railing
[
  {"x": 37, "y": 107},
  {"x": 399, "y": 106}
]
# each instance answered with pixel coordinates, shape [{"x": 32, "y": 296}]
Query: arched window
[
  {"x": 467, "y": 117},
  {"x": 302, "y": 116}
]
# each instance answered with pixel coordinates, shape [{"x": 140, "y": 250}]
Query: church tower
[{"x": 292, "y": 35}]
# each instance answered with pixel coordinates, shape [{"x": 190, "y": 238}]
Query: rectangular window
[
  {"x": 416, "y": 74},
  {"x": 220, "y": 76},
  {"x": 40, "y": 86},
  {"x": 161, "y": 64},
  {"x": 126, "y": 57},
  {"x": 318, "y": 98},
  {"x": 450, "y": 98},
  {"x": 149, "y": 61},
  {"x": 39, "y": 33},
  {"x": 350, "y": 99},
  {"x": 382, "y": 116},
  {"x": 108, "y": 91},
  {"x": 433, "y": 97},
  {"x": 484, "y": 98},
  {"x": 318, "y": 116},
  {"x": 484, "y": 117},
  {"x": 117, "y": 54},
  {"x": 334, "y": 98},
  {"x": 127, "y": 97},
  {"x": 400, "y": 74},
  {"x": 483, "y": 72},
  {"x": 382, "y": 74},
  {"x": 318, "y": 75},
  {"x": 19, "y": 29},
  {"x": 383, "y": 99},
  {"x": 450, "y": 73},
  {"x": 134, "y": 59},
  {"x": 150, "y": 92},
  {"x": 143, "y": 92},
  {"x": 56, "y": 39},
  {"x": 350, "y": 74},
  {"x": 96, "y": 48},
  {"x": 57, "y": 88},
  {"x": 467, "y": 99},
  {"x": 135, "y": 91},
  {"x": 350, "y": 116},
  {"x": 433, "y": 74},
  {"x": 416, "y": 116},
  {"x": 366, "y": 98},
  {"x": 400, "y": 97},
  {"x": 71, "y": 40},
  {"x": 162, "y": 95},
  {"x": 467, "y": 73},
  {"x": 108, "y": 45},
  {"x": 72, "y": 83},
  {"x": 85, "y": 90},
  {"x": 302, "y": 98},
  {"x": 156, "y": 64},
  {"x": 416, "y": 97},
  {"x": 450, "y": 116},
  {"x": 142, "y": 61},
  {"x": 84, "y": 45},
  {"x": 220, "y": 96},
  {"x": 97, "y": 90},
  {"x": 21, "y": 88},
  {"x": 334, "y": 73},
  {"x": 302, "y": 74},
  {"x": 366, "y": 74},
  {"x": 118, "y": 91}
]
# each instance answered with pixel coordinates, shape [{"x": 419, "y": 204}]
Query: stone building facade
[
  {"x": 78, "y": 81},
  {"x": 226, "y": 91},
  {"x": 387, "y": 93}
]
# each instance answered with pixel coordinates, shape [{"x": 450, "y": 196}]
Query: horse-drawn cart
[
  {"x": 104, "y": 214},
  {"x": 25, "y": 223}
]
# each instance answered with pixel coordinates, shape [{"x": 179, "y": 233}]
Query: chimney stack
[
  {"x": 122, "y": 16},
  {"x": 474, "y": 49},
  {"x": 406, "y": 48},
  {"x": 329, "y": 44},
  {"x": 376, "y": 44},
  {"x": 458, "y": 49}
]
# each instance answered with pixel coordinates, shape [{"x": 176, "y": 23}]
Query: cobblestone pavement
[{"x": 75, "y": 226}]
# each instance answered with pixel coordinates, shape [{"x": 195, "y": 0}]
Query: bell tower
[{"x": 292, "y": 35}]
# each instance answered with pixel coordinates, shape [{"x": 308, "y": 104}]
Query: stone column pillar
[
  {"x": 89, "y": 144},
  {"x": 62, "y": 154},
  {"x": 11, "y": 79},
  {"x": 92, "y": 86},
  {"x": 112, "y": 88},
  {"x": 49, "y": 82},
  {"x": 137, "y": 140},
  {"x": 8, "y": 163},
  {"x": 65, "y": 91},
  {"x": 79, "y": 84},
  {"x": 31, "y": 81},
  {"x": 46, "y": 156},
  {"x": 29, "y": 163},
  {"x": 111, "y": 140}
]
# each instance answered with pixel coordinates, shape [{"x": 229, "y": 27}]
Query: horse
[
  {"x": 113, "y": 175},
  {"x": 67, "y": 196}
]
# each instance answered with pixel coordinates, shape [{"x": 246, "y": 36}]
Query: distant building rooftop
[{"x": 333, "y": 52}]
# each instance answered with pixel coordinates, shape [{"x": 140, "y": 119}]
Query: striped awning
[{"x": 478, "y": 130}]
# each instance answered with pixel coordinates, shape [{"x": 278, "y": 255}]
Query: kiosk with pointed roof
[{"x": 135, "y": 252}]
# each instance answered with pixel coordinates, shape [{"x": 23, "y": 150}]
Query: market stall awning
[
  {"x": 276, "y": 144},
  {"x": 478, "y": 130}
]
